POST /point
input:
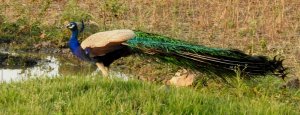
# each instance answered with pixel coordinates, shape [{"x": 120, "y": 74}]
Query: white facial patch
[{"x": 71, "y": 26}]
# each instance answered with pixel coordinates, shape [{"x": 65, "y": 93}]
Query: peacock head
[{"x": 73, "y": 26}]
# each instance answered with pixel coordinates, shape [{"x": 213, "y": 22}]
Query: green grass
[{"x": 96, "y": 95}]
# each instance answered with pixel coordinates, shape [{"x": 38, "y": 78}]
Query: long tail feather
[{"x": 199, "y": 56}]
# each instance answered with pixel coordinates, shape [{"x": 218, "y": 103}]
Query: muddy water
[{"x": 14, "y": 67}]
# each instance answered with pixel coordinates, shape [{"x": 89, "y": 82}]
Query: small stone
[
  {"x": 42, "y": 44},
  {"x": 65, "y": 50},
  {"x": 43, "y": 35},
  {"x": 293, "y": 83},
  {"x": 183, "y": 78}
]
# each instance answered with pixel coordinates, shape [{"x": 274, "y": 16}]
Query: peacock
[{"x": 103, "y": 48}]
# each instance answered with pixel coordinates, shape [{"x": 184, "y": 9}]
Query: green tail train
[{"x": 204, "y": 58}]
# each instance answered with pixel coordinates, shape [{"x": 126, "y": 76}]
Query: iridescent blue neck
[
  {"x": 76, "y": 48},
  {"x": 73, "y": 42}
]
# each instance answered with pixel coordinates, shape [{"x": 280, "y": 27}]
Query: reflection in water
[
  {"x": 48, "y": 67},
  {"x": 54, "y": 66}
]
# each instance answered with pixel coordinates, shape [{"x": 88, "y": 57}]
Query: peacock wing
[{"x": 108, "y": 41}]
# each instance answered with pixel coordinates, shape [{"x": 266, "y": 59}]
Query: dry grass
[{"x": 265, "y": 27}]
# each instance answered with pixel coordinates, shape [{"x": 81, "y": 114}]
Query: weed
[{"x": 73, "y": 12}]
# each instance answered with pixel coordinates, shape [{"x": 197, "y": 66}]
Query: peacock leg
[{"x": 102, "y": 68}]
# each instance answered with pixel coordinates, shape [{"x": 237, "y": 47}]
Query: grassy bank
[{"x": 94, "y": 95}]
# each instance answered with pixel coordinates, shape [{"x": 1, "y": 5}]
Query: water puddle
[
  {"x": 48, "y": 67},
  {"x": 16, "y": 68}
]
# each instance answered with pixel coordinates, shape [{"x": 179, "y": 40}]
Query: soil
[{"x": 11, "y": 61}]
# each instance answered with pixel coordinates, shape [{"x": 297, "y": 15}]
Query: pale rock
[{"x": 182, "y": 78}]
